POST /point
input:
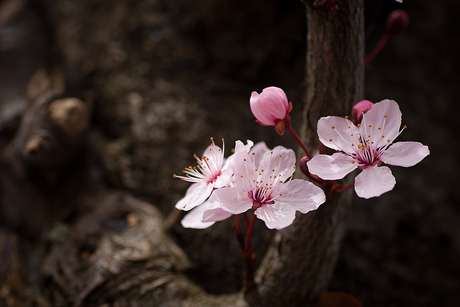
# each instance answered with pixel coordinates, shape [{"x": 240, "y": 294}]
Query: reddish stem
[
  {"x": 237, "y": 232},
  {"x": 246, "y": 222},
  {"x": 343, "y": 189},
  {"x": 377, "y": 49},
  {"x": 296, "y": 137},
  {"x": 247, "y": 246},
  {"x": 249, "y": 258}
]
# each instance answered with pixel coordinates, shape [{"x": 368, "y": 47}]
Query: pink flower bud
[
  {"x": 271, "y": 108},
  {"x": 397, "y": 22},
  {"x": 361, "y": 107}
]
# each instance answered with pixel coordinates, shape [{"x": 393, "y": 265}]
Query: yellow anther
[
  {"x": 352, "y": 144},
  {"x": 281, "y": 194},
  {"x": 353, "y": 161},
  {"x": 348, "y": 127},
  {"x": 253, "y": 153},
  {"x": 388, "y": 140},
  {"x": 346, "y": 117},
  {"x": 279, "y": 156},
  {"x": 211, "y": 138},
  {"x": 273, "y": 169},
  {"x": 330, "y": 140},
  {"x": 174, "y": 176},
  {"x": 368, "y": 137},
  {"x": 359, "y": 125},
  {"x": 362, "y": 110},
  {"x": 294, "y": 166},
  {"x": 370, "y": 126},
  {"x": 244, "y": 159},
  {"x": 383, "y": 136},
  {"x": 351, "y": 134},
  {"x": 404, "y": 127},
  {"x": 241, "y": 176},
  {"x": 271, "y": 152},
  {"x": 385, "y": 116},
  {"x": 380, "y": 128}
]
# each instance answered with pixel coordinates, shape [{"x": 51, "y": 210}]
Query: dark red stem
[
  {"x": 343, "y": 189},
  {"x": 377, "y": 49},
  {"x": 296, "y": 137},
  {"x": 237, "y": 232}
]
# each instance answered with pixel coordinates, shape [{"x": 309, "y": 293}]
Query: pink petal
[
  {"x": 405, "y": 154},
  {"x": 374, "y": 181},
  {"x": 258, "y": 150},
  {"x": 279, "y": 161},
  {"x": 332, "y": 167},
  {"x": 232, "y": 200},
  {"x": 389, "y": 125},
  {"x": 338, "y": 133},
  {"x": 243, "y": 169},
  {"x": 194, "y": 218},
  {"x": 302, "y": 195},
  {"x": 276, "y": 216},
  {"x": 196, "y": 194}
]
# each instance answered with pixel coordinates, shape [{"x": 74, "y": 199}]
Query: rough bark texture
[
  {"x": 74, "y": 233},
  {"x": 303, "y": 256}
]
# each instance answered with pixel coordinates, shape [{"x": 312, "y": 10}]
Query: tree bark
[
  {"x": 302, "y": 257},
  {"x": 108, "y": 248}
]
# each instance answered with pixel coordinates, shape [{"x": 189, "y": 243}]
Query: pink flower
[
  {"x": 271, "y": 108},
  {"x": 366, "y": 147},
  {"x": 208, "y": 213},
  {"x": 266, "y": 187},
  {"x": 213, "y": 171}
]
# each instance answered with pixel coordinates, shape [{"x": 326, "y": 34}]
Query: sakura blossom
[
  {"x": 366, "y": 146},
  {"x": 265, "y": 185},
  {"x": 212, "y": 171},
  {"x": 208, "y": 213},
  {"x": 271, "y": 108}
]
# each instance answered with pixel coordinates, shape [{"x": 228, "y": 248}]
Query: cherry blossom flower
[
  {"x": 266, "y": 186},
  {"x": 365, "y": 147},
  {"x": 213, "y": 171},
  {"x": 271, "y": 108},
  {"x": 208, "y": 213}
]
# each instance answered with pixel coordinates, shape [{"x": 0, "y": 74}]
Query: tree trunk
[
  {"x": 71, "y": 241},
  {"x": 302, "y": 257}
]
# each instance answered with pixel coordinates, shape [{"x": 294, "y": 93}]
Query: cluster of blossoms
[
  {"x": 257, "y": 178},
  {"x": 254, "y": 177}
]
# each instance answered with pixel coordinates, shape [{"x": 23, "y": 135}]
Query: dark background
[{"x": 165, "y": 76}]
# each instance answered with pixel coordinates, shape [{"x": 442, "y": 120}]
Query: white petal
[
  {"x": 332, "y": 167},
  {"x": 338, "y": 133},
  {"x": 374, "y": 181},
  {"x": 215, "y": 215},
  {"x": 196, "y": 194},
  {"x": 376, "y": 118},
  {"x": 194, "y": 218},
  {"x": 276, "y": 216},
  {"x": 405, "y": 154},
  {"x": 302, "y": 195},
  {"x": 232, "y": 200}
]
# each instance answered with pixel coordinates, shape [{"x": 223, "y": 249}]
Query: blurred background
[{"x": 165, "y": 76}]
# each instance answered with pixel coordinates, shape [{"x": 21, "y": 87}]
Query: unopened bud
[
  {"x": 397, "y": 22},
  {"x": 303, "y": 165},
  {"x": 357, "y": 112},
  {"x": 271, "y": 108}
]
